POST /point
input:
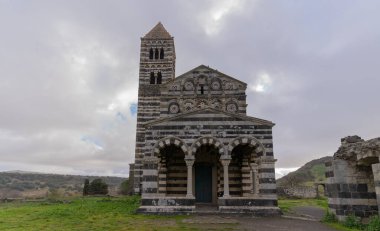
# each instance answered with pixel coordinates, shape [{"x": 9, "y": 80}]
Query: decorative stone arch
[
  {"x": 167, "y": 141},
  {"x": 163, "y": 170},
  {"x": 247, "y": 140},
  {"x": 250, "y": 175},
  {"x": 207, "y": 140}
]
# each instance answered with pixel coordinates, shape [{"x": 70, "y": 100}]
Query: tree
[
  {"x": 86, "y": 187},
  {"x": 98, "y": 187},
  {"x": 125, "y": 187}
]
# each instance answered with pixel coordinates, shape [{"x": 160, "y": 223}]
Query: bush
[
  {"x": 374, "y": 224},
  {"x": 86, "y": 187},
  {"x": 329, "y": 217},
  {"x": 352, "y": 221},
  {"x": 125, "y": 188},
  {"x": 98, "y": 187}
]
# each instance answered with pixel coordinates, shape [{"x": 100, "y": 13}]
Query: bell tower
[{"x": 157, "y": 66}]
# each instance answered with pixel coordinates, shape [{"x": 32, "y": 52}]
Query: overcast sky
[{"x": 69, "y": 74}]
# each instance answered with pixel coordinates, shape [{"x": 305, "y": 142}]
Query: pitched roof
[
  {"x": 158, "y": 31},
  {"x": 199, "y": 111}
]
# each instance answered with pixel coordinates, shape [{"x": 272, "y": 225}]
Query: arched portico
[
  {"x": 172, "y": 171},
  {"x": 209, "y": 158},
  {"x": 245, "y": 152}
]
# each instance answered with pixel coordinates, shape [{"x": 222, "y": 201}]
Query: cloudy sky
[{"x": 69, "y": 72}]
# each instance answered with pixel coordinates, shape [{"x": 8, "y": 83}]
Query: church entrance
[
  {"x": 206, "y": 176},
  {"x": 203, "y": 183}
]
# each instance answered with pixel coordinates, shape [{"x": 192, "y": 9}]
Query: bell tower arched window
[
  {"x": 162, "y": 53},
  {"x": 156, "y": 53},
  {"x": 159, "y": 78},
  {"x": 151, "y": 53},
  {"x": 152, "y": 78}
]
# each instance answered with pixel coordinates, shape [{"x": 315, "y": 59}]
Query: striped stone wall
[
  {"x": 198, "y": 118},
  {"x": 352, "y": 178},
  {"x": 176, "y": 180},
  {"x": 187, "y": 129},
  {"x": 350, "y": 189},
  {"x": 148, "y": 106}
]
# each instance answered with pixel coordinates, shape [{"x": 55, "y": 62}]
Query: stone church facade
[{"x": 195, "y": 143}]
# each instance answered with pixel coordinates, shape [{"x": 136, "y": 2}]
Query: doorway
[{"x": 203, "y": 183}]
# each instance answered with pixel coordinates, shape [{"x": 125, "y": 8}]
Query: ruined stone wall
[
  {"x": 350, "y": 178},
  {"x": 297, "y": 192}
]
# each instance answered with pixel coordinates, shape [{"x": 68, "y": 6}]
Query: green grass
[
  {"x": 99, "y": 213},
  {"x": 339, "y": 226},
  {"x": 286, "y": 205},
  {"x": 91, "y": 213}
]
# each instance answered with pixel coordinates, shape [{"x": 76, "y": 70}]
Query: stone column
[
  {"x": 254, "y": 172},
  {"x": 225, "y": 162},
  {"x": 189, "y": 163},
  {"x": 376, "y": 180}
]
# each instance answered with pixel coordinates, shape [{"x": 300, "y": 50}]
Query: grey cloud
[{"x": 68, "y": 67}]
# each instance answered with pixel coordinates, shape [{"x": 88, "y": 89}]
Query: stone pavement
[{"x": 300, "y": 219}]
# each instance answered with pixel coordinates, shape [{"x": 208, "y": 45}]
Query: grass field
[
  {"x": 287, "y": 204},
  {"x": 85, "y": 214},
  {"x": 101, "y": 213}
]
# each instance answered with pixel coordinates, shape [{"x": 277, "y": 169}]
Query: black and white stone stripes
[{"x": 198, "y": 121}]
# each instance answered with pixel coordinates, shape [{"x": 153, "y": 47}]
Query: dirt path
[{"x": 310, "y": 211}]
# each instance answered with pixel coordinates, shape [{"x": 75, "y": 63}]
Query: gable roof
[
  {"x": 206, "y": 67},
  {"x": 199, "y": 111},
  {"x": 158, "y": 32}
]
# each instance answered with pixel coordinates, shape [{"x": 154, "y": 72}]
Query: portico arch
[
  {"x": 245, "y": 152},
  {"x": 167, "y": 141},
  {"x": 207, "y": 140},
  {"x": 251, "y": 141},
  {"x": 207, "y": 152},
  {"x": 172, "y": 171}
]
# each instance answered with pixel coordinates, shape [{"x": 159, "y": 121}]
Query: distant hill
[
  {"x": 36, "y": 185},
  {"x": 313, "y": 171}
]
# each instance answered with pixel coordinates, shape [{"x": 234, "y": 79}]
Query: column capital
[
  {"x": 225, "y": 162},
  {"x": 189, "y": 160},
  {"x": 254, "y": 166}
]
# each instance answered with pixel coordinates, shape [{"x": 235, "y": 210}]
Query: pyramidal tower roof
[{"x": 158, "y": 31}]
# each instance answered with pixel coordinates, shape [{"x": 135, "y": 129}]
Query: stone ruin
[{"x": 353, "y": 178}]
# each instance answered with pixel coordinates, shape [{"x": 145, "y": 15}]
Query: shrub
[
  {"x": 352, "y": 221},
  {"x": 329, "y": 217},
  {"x": 125, "y": 188},
  {"x": 374, "y": 224},
  {"x": 98, "y": 187},
  {"x": 86, "y": 187}
]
